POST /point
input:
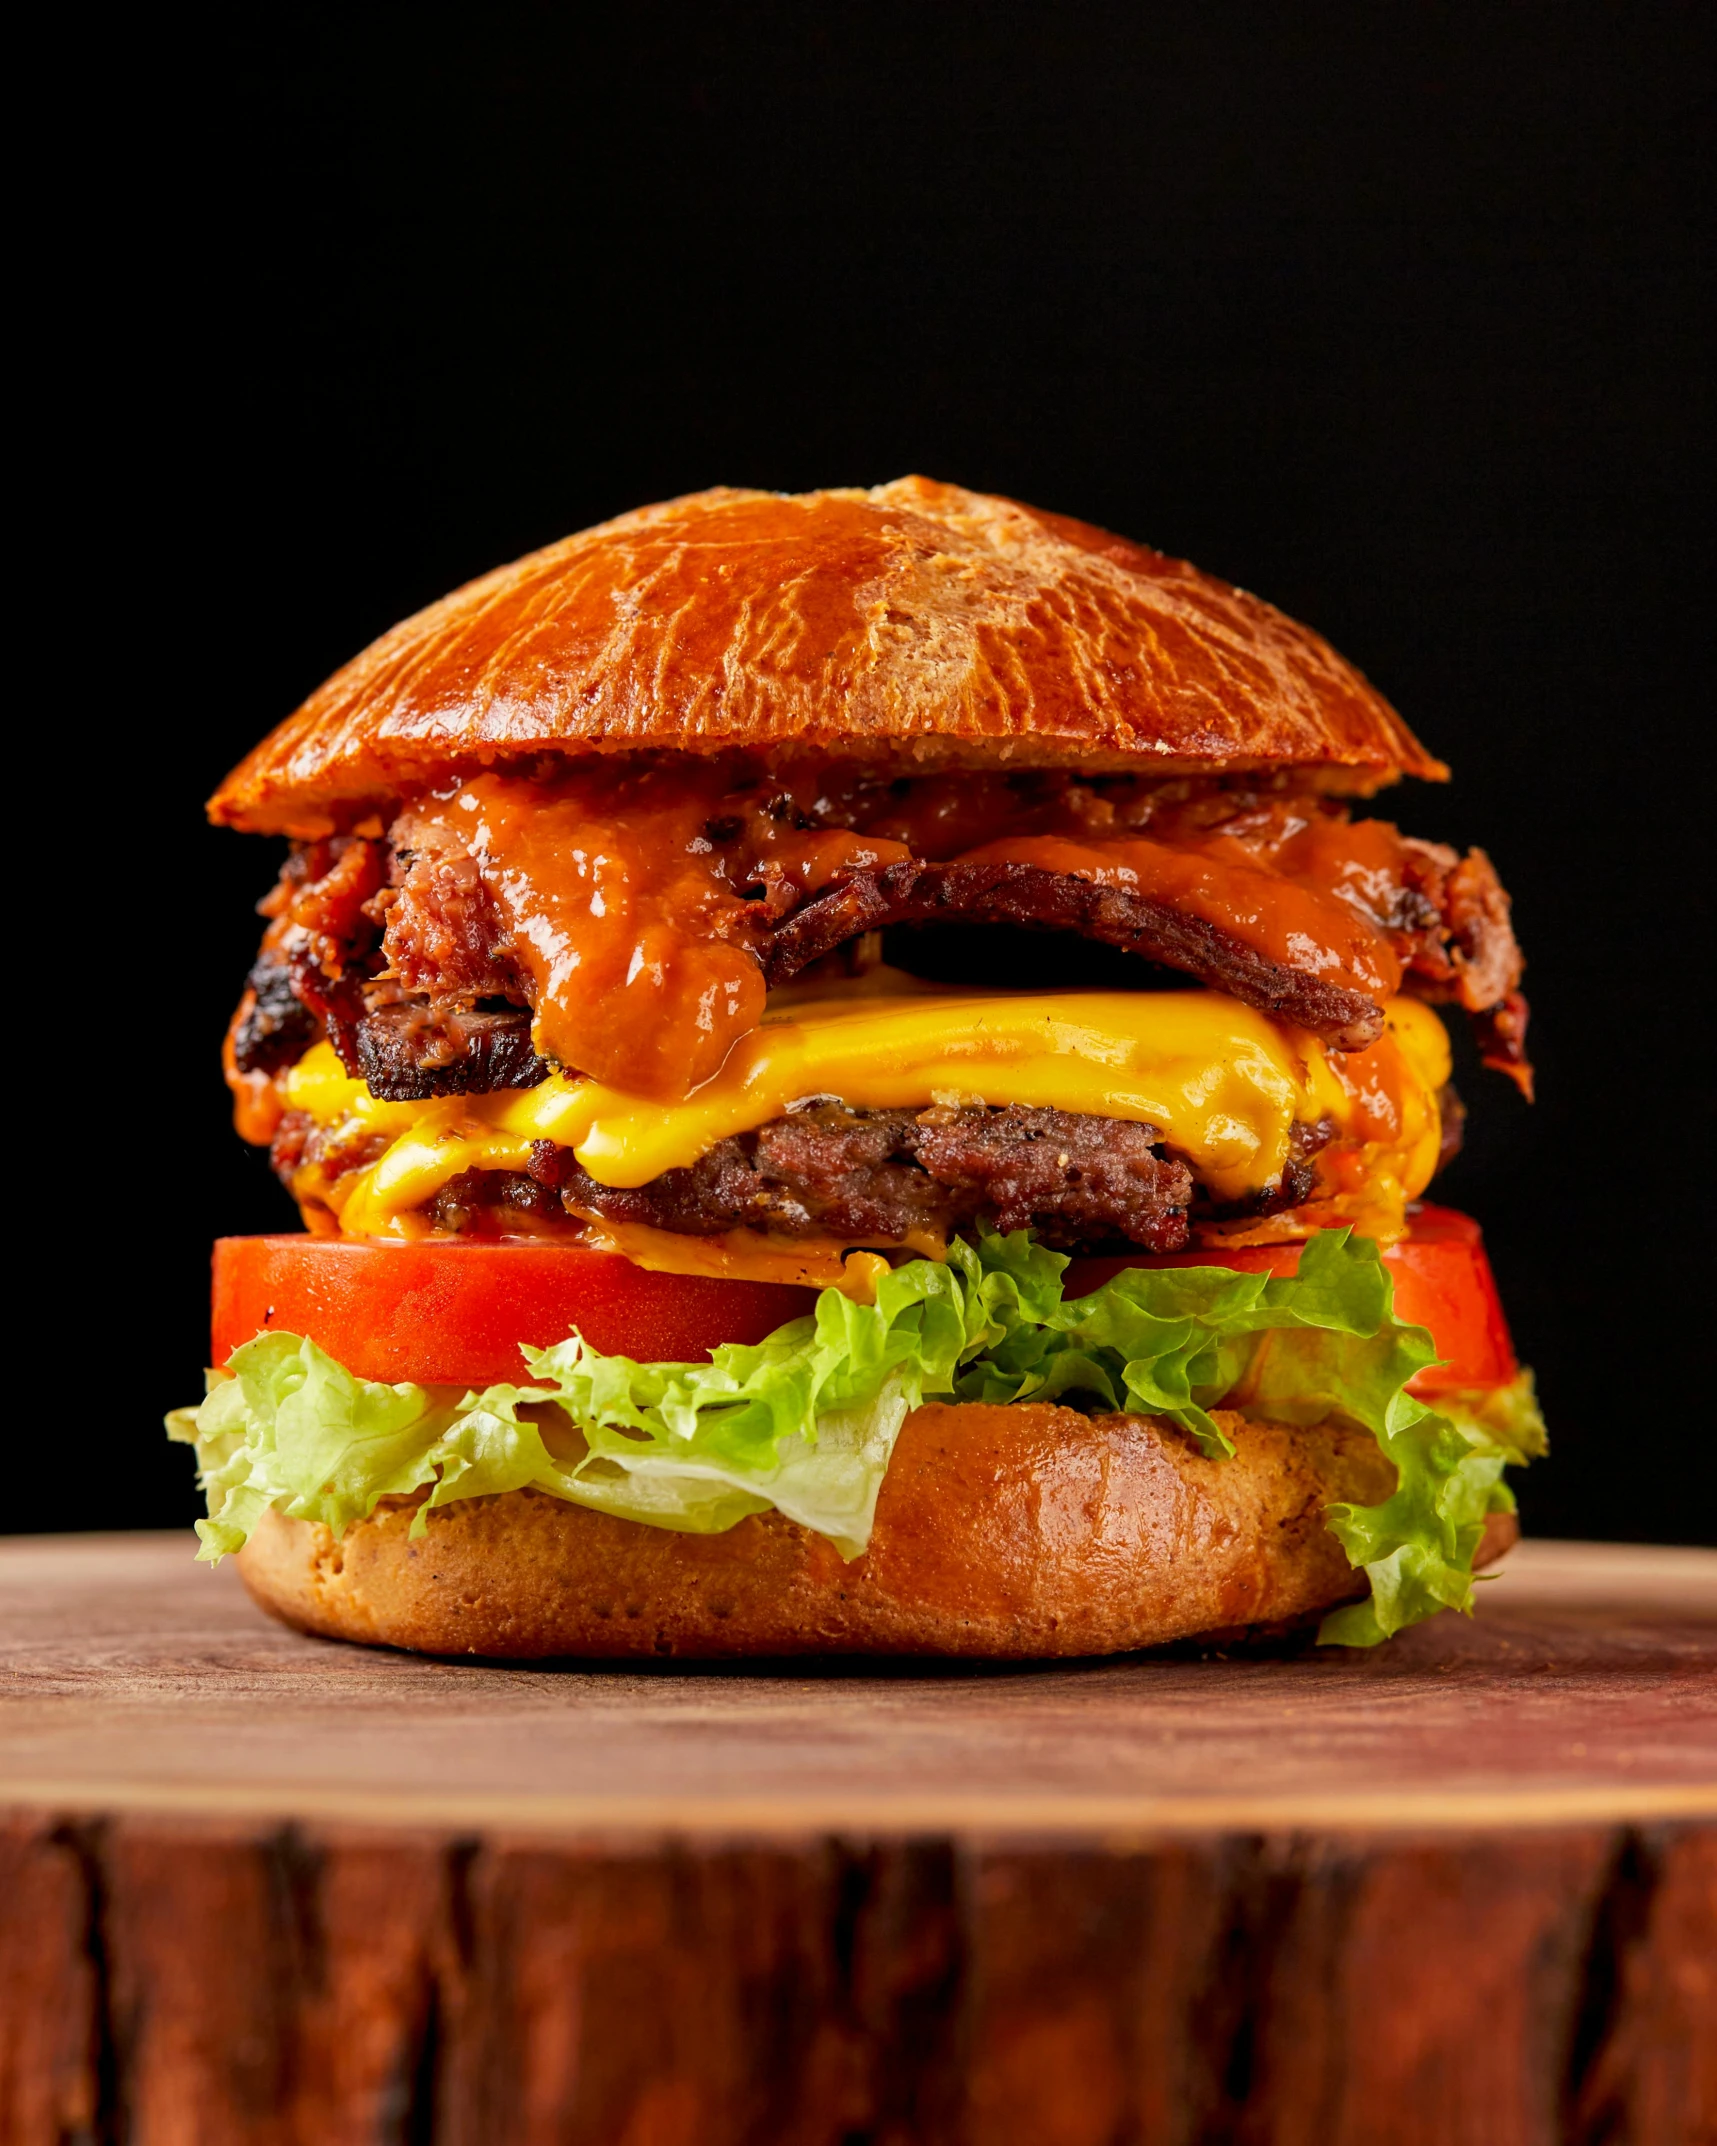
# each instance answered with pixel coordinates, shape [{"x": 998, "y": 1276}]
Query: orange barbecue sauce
[
  {"x": 636, "y": 893},
  {"x": 634, "y": 915},
  {"x": 1282, "y": 918},
  {"x": 1281, "y": 872}
]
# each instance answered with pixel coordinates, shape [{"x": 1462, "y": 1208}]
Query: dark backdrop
[{"x": 1392, "y": 314}]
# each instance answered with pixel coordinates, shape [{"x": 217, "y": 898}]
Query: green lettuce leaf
[
  {"x": 1417, "y": 1547},
  {"x": 1181, "y": 1341},
  {"x": 806, "y": 1420},
  {"x": 286, "y": 1425}
]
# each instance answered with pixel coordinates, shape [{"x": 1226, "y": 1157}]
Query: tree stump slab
[{"x": 1461, "y": 1891}]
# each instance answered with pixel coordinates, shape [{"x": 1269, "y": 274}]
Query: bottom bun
[{"x": 1003, "y": 1532}]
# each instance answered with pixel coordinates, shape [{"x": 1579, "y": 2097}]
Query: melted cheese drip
[{"x": 1223, "y": 1083}]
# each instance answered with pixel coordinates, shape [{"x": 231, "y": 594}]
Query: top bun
[{"x": 915, "y": 624}]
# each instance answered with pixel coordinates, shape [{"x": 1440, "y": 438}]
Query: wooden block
[
  {"x": 258, "y": 1890},
  {"x": 54, "y": 2082}
]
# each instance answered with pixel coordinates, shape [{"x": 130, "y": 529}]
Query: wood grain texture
[{"x": 255, "y": 1887}]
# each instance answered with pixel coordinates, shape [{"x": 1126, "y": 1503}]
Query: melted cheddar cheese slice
[{"x": 1223, "y": 1083}]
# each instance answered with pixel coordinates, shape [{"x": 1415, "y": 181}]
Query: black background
[{"x": 1394, "y": 314}]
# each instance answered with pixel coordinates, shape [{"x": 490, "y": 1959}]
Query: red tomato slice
[
  {"x": 1442, "y": 1281},
  {"x": 453, "y": 1314},
  {"x": 449, "y": 1314}
]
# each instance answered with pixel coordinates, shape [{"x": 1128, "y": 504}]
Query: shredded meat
[
  {"x": 1470, "y": 947},
  {"x": 322, "y": 909},
  {"x": 395, "y": 976},
  {"x": 999, "y": 893},
  {"x": 1463, "y": 948},
  {"x": 324, "y": 932},
  {"x": 398, "y": 951},
  {"x": 889, "y": 1174},
  {"x": 443, "y": 937}
]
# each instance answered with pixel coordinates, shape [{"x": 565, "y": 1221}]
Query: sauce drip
[
  {"x": 633, "y": 907},
  {"x": 618, "y": 922}
]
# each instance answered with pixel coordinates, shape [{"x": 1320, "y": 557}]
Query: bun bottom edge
[{"x": 1002, "y": 1533}]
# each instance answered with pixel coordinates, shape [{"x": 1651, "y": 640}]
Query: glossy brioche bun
[
  {"x": 1006, "y": 1532},
  {"x": 915, "y": 624}
]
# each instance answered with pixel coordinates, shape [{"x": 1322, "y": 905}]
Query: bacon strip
[{"x": 1025, "y": 894}]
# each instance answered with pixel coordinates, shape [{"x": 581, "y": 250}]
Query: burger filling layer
[
  {"x": 646, "y": 1003},
  {"x": 889, "y": 1121},
  {"x": 854, "y": 1032}
]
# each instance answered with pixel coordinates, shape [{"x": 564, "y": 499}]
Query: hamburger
[{"x": 859, "y": 1077}]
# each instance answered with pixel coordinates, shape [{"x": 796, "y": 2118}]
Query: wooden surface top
[{"x": 132, "y": 1678}]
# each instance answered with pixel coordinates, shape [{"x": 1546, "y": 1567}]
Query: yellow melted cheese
[{"x": 1223, "y": 1083}]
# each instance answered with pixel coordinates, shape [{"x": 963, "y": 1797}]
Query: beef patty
[
  {"x": 888, "y": 1175},
  {"x": 862, "y": 1176}
]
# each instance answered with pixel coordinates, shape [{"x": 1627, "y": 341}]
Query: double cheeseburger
[{"x": 857, "y": 1078}]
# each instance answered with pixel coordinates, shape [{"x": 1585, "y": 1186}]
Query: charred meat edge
[{"x": 1027, "y": 894}]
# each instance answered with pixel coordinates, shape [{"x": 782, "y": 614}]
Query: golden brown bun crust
[
  {"x": 1007, "y": 1532},
  {"x": 915, "y": 623}
]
